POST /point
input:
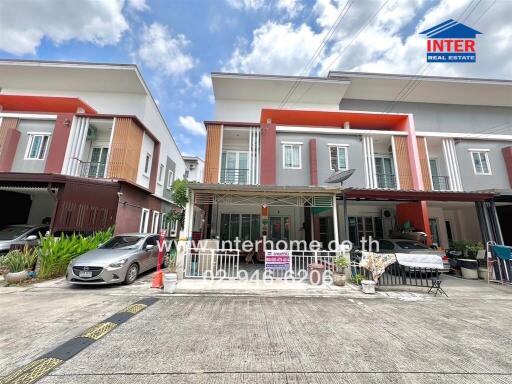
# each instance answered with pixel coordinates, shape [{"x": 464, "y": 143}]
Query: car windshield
[
  {"x": 122, "y": 242},
  {"x": 12, "y": 232},
  {"x": 411, "y": 245}
]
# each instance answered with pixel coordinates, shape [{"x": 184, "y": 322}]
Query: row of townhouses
[
  {"x": 428, "y": 154},
  {"x": 84, "y": 147}
]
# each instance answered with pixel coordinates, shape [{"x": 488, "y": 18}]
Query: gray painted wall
[
  {"x": 443, "y": 117},
  {"x": 301, "y": 177},
  {"x": 26, "y": 126},
  {"x": 473, "y": 182},
  {"x": 169, "y": 165}
]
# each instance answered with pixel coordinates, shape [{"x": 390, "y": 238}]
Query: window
[
  {"x": 234, "y": 167},
  {"x": 147, "y": 164},
  {"x": 173, "y": 226},
  {"x": 170, "y": 178},
  {"x": 364, "y": 226},
  {"x": 291, "y": 155},
  {"x": 186, "y": 174},
  {"x": 155, "y": 226},
  {"x": 338, "y": 157},
  {"x": 481, "y": 162},
  {"x": 37, "y": 146},
  {"x": 144, "y": 219},
  {"x": 161, "y": 173}
]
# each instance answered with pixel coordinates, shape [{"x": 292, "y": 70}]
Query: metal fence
[
  {"x": 212, "y": 263},
  {"x": 397, "y": 274}
]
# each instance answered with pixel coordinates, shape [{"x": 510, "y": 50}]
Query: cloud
[
  {"x": 246, "y": 4},
  {"x": 206, "y": 82},
  {"x": 275, "y": 49},
  {"x": 192, "y": 125},
  {"x": 138, "y": 5},
  {"x": 291, "y": 7},
  {"x": 160, "y": 50},
  {"x": 377, "y": 36},
  {"x": 25, "y": 23}
]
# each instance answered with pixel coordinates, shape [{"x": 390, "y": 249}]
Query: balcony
[
  {"x": 386, "y": 181},
  {"x": 234, "y": 176},
  {"x": 93, "y": 170},
  {"x": 441, "y": 183}
]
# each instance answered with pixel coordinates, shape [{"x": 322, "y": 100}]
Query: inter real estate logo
[{"x": 451, "y": 42}]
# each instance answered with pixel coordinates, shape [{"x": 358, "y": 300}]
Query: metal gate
[
  {"x": 212, "y": 263},
  {"x": 397, "y": 274}
]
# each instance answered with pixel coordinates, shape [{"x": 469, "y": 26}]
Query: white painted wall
[
  {"x": 42, "y": 207},
  {"x": 197, "y": 173},
  {"x": 148, "y": 146}
]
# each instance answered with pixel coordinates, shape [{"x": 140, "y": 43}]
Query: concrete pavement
[{"x": 402, "y": 337}]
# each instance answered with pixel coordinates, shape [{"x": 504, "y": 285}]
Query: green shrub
[
  {"x": 341, "y": 263},
  {"x": 357, "y": 278},
  {"x": 20, "y": 260},
  {"x": 57, "y": 252}
]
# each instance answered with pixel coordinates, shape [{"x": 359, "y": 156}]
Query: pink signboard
[{"x": 278, "y": 260}]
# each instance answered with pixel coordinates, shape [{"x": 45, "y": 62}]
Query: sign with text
[{"x": 278, "y": 260}]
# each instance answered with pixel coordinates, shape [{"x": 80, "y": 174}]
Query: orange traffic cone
[{"x": 158, "y": 280}]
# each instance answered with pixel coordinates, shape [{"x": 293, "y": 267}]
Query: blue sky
[{"x": 177, "y": 43}]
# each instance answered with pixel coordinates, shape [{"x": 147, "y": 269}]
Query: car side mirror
[
  {"x": 149, "y": 247},
  {"x": 31, "y": 238}
]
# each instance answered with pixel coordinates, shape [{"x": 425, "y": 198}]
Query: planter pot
[
  {"x": 483, "y": 273},
  {"x": 339, "y": 279},
  {"x": 368, "y": 286},
  {"x": 16, "y": 277},
  {"x": 471, "y": 274},
  {"x": 170, "y": 282}
]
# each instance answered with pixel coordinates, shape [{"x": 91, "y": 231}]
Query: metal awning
[{"x": 414, "y": 195}]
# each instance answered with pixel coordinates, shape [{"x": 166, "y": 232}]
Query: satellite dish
[{"x": 340, "y": 176}]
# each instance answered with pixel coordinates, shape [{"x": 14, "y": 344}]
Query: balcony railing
[
  {"x": 441, "y": 183},
  {"x": 92, "y": 169},
  {"x": 386, "y": 181},
  {"x": 234, "y": 176}
]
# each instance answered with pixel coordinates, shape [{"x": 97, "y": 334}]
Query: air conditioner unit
[
  {"x": 91, "y": 133},
  {"x": 386, "y": 213},
  {"x": 192, "y": 166}
]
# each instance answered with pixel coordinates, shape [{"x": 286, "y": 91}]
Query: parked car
[
  {"x": 119, "y": 260},
  {"x": 19, "y": 235},
  {"x": 411, "y": 246}
]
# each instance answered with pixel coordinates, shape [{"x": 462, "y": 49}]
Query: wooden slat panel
[
  {"x": 425, "y": 171},
  {"x": 8, "y": 123},
  {"x": 125, "y": 150},
  {"x": 212, "y": 158},
  {"x": 402, "y": 158}
]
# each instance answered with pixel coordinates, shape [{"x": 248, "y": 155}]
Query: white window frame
[
  {"x": 170, "y": 178},
  {"x": 338, "y": 147},
  {"x": 147, "y": 162},
  {"x": 161, "y": 171},
  {"x": 480, "y": 152},
  {"x": 291, "y": 144},
  {"x": 173, "y": 227},
  {"x": 31, "y": 136},
  {"x": 143, "y": 226},
  {"x": 155, "y": 223}
]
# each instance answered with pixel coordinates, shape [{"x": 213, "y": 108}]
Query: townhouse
[
  {"x": 428, "y": 155},
  {"x": 84, "y": 147}
]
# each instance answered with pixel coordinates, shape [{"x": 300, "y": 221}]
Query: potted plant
[
  {"x": 18, "y": 264},
  {"x": 341, "y": 263}
]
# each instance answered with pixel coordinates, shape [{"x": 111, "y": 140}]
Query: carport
[
  {"x": 418, "y": 208},
  {"x": 68, "y": 204}
]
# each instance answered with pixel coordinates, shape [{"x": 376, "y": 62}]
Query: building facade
[
  {"x": 430, "y": 155},
  {"x": 84, "y": 147}
]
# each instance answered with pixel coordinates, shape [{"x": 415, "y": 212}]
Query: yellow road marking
[
  {"x": 134, "y": 308},
  {"x": 99, "y": 330},
  {"x": 32, "y": 372}
]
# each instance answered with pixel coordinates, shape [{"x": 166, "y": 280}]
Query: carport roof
[
  {"x": 413, "y": 195},
  {"x": 262, "y": 189}
]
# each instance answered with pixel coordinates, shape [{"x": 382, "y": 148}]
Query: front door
[{"x": 279, "y": 228}]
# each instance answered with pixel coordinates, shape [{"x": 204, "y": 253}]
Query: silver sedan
[{"x": 119, "y": 260}]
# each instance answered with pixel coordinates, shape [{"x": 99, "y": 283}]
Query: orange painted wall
[{"x": 417, "y": 214}]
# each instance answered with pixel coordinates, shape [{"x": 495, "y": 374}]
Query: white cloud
[
  {"x": 246, "y": 4},
  {"x": 291, "y": 7},
  {"x": 206, "y": 82},
  {"x": 386, "y": 43},
  {"x": 160, "y": 50},
  {"x": 276, "y": 49},
  {"x": 138, "y": 5},
  {"x": 25, "y": 23},
  {"x": 192, "y": 125}
]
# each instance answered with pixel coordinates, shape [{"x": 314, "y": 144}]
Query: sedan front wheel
[{"x": 131, "y": 274}]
